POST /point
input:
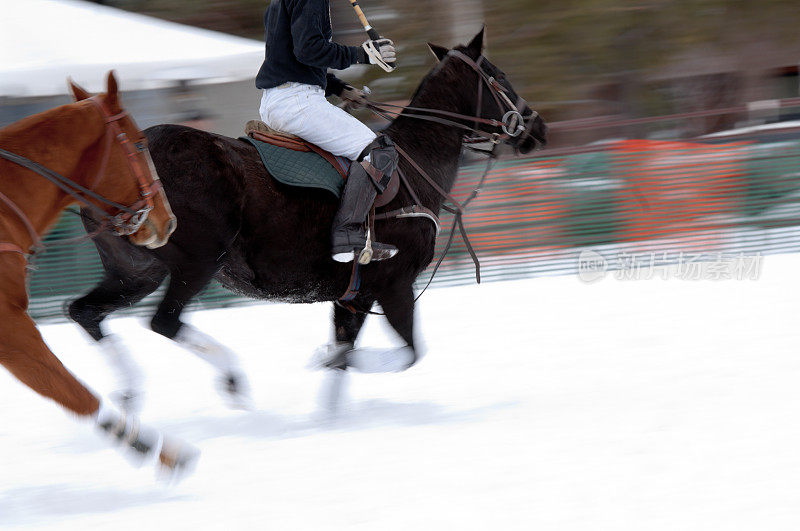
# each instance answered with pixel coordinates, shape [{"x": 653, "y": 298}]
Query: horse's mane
[{"x": 432, "y": 73}]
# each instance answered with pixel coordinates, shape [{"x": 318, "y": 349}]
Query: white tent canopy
[{"x": 42, "y": 42}]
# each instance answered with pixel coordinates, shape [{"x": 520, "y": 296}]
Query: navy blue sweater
[{"x": 299, "y": 47}]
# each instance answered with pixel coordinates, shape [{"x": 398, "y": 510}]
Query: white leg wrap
[
  {"x": 232, "y": 383},
  {"x": 333, "y": 392},
  {"x": 141, "y": 443},
  {"x": 376, "y": 360},
  {"x": 368, "y": 360},
  {"x": 326, "y": 354},
  {"x": 126, "y": 371},
  {"x": 208, "y": 349},
  {"x": 108, "y": 414}
]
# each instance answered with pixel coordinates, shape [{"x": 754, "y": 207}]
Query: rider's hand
[
  {"x": 380, "y": 52},
  {"x": 353, "y": 98}
]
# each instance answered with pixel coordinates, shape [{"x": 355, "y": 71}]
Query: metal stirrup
[{"x": 365, "y": 256}]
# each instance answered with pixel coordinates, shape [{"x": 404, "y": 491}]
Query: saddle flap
[{"x": 390, "y": 192}]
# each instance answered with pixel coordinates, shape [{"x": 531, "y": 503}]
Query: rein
[
  {"x": 512, "y": 125},
  {"x": 127, "y": 221}
]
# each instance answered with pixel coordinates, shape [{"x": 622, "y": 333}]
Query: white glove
[{"x": 380, "y": 52}]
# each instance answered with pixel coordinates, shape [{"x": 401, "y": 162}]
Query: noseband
[
  {"x": 130, "y": 218},
  {"x": 513, "y": 121}
]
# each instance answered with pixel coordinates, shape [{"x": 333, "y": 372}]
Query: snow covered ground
[{"x": 540, "y": 404}]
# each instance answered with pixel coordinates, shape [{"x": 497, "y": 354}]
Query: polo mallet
[{"x": 372, "y": 33}]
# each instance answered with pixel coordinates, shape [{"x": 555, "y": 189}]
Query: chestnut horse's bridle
[{"x": 130, "y": 218}]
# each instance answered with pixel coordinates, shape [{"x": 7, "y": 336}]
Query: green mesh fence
[
  {"x": 68, "y": 270},
  {"x": 535, "y": 216}
]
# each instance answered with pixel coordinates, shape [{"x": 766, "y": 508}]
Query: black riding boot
[{"x": 348, "y": 236}]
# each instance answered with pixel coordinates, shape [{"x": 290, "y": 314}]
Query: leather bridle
[
  {"x": 513, "y": 127},
  {"x": 128, "y": 219}
]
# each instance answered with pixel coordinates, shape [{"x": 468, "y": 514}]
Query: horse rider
[{"x": 295, "y": 83}]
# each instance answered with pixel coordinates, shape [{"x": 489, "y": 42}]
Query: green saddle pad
[{"x": 299, "y": 168}]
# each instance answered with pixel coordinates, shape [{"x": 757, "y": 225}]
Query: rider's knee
[
  {"x": 382, "y": 143},
  {"x": 380, "y": 160}
]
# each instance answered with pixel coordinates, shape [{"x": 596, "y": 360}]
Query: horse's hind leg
[
  {"x": 185, "y": 282},
  {"x": 25, "y": 355},
  {"x": 116, "y": 291}
]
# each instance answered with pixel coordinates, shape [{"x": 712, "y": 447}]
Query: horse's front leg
[
  {"x": 346, "y": 327},
  {"x": 397, "y": 302},
  {"x": 336, "y": 356},
  {"x": 25, "y": 355}
]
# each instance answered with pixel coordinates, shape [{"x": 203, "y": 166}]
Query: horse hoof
[
  {"x": 375, "y": 360},
  {"x": 330, "y": 356},
  {"x": 177, "y": 459},
  {"x": 236, "y": 391}
]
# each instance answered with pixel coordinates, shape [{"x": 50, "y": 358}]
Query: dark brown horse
[
  {"x": 90, "y": 152},
  {"x": 267, "y": 240}
]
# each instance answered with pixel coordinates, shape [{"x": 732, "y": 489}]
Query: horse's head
[
  {"x": 126, "y": 173},
  {"x": 491, "y": 95}
]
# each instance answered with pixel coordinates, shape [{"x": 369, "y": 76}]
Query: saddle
[{"x": 258, "y": 130}]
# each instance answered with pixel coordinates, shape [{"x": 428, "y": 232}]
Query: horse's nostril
[{"x": 172, "y": 225}]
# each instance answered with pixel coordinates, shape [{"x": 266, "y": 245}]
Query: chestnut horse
[{"x": 90, "y": 152}]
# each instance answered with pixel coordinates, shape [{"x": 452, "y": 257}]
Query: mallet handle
[
  {"x": 371, "y": 32},
  {"x": 364, "y": 22}
]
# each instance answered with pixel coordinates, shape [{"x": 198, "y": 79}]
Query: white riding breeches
[{"x": 302, "y": 110}]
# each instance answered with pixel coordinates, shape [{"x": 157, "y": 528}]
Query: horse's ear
[
  {"x": 438, "y": 51},
  {"x": 475, "y": 46},
  {"x": 112, "y": 94},
  {"x": 77, "y": 91}
]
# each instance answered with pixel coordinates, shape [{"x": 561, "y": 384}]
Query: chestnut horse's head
[{"x": 127, "y": 175}]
